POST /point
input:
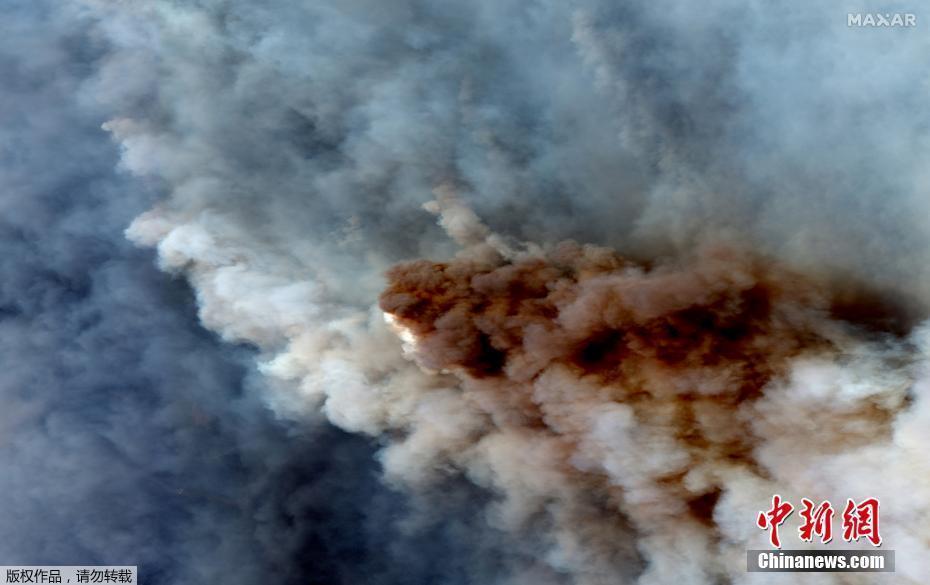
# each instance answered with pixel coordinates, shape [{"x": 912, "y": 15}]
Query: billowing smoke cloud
[
  {"x": 740, "y": 314},
  {"x": 658, "y": 392},
  {"x": 128, "y": 434}
]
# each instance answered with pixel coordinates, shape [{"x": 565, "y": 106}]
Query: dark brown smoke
[{"x": 688, "y": 345}]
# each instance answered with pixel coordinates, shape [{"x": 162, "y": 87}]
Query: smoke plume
[
  {"x": 680, "y": 265},
  {"x": 128, "y": 433},
  {"x": 652, "y": 392}
]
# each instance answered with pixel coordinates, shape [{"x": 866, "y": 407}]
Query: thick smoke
[
  {"x": 740, "y": 316},
  {"x": 654, "y": 391},
  {"x": 128, "y": 434}
]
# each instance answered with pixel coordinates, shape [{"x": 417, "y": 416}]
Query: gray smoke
[
  {"x": 129, "y": 434},
  {"x": 639, "y": 124},
  {"x": 286, "y": 151}
]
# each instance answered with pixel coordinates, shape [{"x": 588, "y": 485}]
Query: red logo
[
  {"x": 819, "y": 521},
  {"x": 774, "y": 518},
  {"x": 859, "y": 520}
]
